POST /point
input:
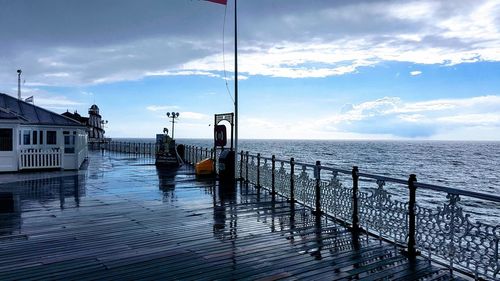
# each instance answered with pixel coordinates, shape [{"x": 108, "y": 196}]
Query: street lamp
[
  {"x": 173, "y": 115},
  {"x": 19, "y": 71}
]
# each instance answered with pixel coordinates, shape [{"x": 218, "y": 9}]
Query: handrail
[
  {"x": 443, "y": 230},
  {"x": 433, "y": 187}
]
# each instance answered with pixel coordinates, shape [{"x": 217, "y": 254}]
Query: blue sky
[{"x": 308, "y": 69}]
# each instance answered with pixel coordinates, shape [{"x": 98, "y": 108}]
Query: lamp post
[
  {"x": 173, "y": 115},
  {"x": 19, "y": 71}
]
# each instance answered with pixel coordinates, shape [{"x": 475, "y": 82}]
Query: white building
[
  {"x": 34, "y": 138},
  {"x": 94, "y": 123}
]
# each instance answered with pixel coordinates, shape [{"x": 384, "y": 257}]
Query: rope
[{"x": 224, "y": 52}]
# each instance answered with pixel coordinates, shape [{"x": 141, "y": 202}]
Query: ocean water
[{"x": 467, "y": 165}]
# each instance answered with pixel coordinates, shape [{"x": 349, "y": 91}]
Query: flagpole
[{"x": 235, "y": 79}]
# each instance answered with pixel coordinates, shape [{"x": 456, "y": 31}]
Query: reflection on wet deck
[{"x": 124, "y": 219}]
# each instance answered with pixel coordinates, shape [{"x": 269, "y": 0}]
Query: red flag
[{"x": 223, "y": 2}]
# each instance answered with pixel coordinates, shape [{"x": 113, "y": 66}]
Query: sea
[{"x": 466, "y": 165}]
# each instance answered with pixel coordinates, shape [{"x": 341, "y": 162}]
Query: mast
[{"x": 235, "y": 78}]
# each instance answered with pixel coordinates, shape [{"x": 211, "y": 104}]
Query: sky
[{"x": 308, "y": 69}]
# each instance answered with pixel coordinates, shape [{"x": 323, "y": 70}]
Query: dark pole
[
  {"x": 19, "y": 71},
  {"x": 317, "y": 175},
  {"x": 258, "y": 170},
  {"x": 235, "y": 76},
  {"x": 412, "y": 252},
  {"x": 273, "y": 175},
  {"x": 355, "y": 217},
  {"x": 292, "y": 182},
  {"x": 173, "y": 116},
  {"x": 241, "y": 165}
]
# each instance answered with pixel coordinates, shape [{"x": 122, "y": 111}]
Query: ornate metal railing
[{"x": 386, "y": 207}]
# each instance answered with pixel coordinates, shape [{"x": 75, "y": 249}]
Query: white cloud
[
  {"x": 426, "y": 119},
  {"x": 182, "y": 73},
  {"x": 162, "y": 107},
  {"x": 415, "y": 73},
  {"x": 193, "y": 115},
  {"x": 296, "y": 40}
]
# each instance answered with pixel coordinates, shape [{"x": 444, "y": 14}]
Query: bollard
[
  {"x": 412, "y": 252},
  {"x": 355, "y": 188}
]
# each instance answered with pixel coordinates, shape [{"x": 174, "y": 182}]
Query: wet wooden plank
[{"x": 128, "y": 228}]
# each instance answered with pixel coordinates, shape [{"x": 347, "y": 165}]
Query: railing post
[
  {"x": 273, "y": 174},
  {"x": 412, "y": 252},
  {"x": 317, "y": 175},
  {"x": 246, "y": 164},
  {"x": 355, "y": 190},
  {"x": 292, "y": 180},
  {"x": 241, "y": 165},
  {"x": 258, "y": 170}
]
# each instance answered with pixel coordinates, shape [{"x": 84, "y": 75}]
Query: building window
[
  {"x": 26, "y": 137},
  {"x": 51, "y": 137},
  {"x": 35, "y": 137},
  {"x": 41, "y": 137},
  {"x": 6, "y": 140},
  {"x": 69, "y": 142}
]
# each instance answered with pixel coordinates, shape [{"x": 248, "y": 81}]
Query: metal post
[
  {"x": 235, "y": 77},
  {"x": 19, "y": 71},
  {"x": 355, "y": 190},
  {"x": 258, "y": 170},
  {"x": 273, "y": 174},
  {"x": 292, "y": 180},
  {"x": 246, "y": 164},
  {"x": 173, "y": 121},
  {"x": 317, "y": 175},
  {"x": 412, "y": 252},
  {"x": 241, "y": 165}
]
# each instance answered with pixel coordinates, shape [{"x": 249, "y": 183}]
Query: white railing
[{"x": 34, "y": 158}]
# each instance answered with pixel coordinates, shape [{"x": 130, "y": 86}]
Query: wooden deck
[{"x": 122, "y": 219}]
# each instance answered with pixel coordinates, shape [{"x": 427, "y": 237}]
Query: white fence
[{"x": 31, "y": 158}]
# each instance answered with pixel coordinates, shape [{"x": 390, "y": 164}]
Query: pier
[{"x": 122, "y": 218}]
